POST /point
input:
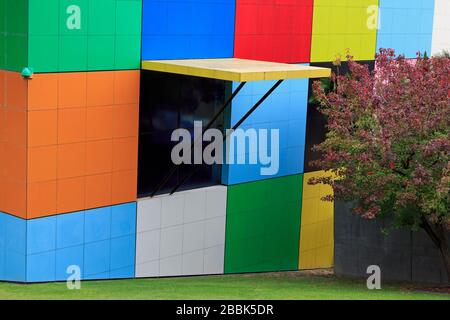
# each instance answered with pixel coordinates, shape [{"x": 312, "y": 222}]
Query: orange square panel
[
  {"x": 99, "y": 123},
  {"x": 70, "y": 195},
  {"x": 98, "y": 190},
  {"x": 42, "y": 128},
  {"x": 99, "y": 157},
  {"x": 41, "y": 199},
  {"x": 71, "y": 160},
  {"x": 126, "y": 87},
  {"x": 43, "y": 92},
  {"x": 72, "y": 90},
  {"x": 100, "y": 88},
  {"x": 71, "y": 125}
]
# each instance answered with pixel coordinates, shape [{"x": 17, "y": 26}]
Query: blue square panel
[
  {"x": 41, "y": 267},
  {"x": 406, "y": 26},
  {"x": 123, "y": 256},
  {"x": 15, "y": 230},
  {"x": 123, "y": 220},
  {"x": 183, "y": 29},
  {"x": 12, "y": 248},
  {"x": 68, "y": 257},
  {"x": 70, "y": 229},
  {"x": 274, "y": 133},
  {"x": 96, "y": 260},
  {"x": 41, "y": 235},
  {"x": 14, "y": 269},
  {"x": 97, "y": 224}
]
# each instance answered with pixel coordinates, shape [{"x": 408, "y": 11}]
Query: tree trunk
[{"x": 438, "y": 235}]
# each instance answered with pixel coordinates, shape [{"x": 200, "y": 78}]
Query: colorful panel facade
[
  {"x": 285, "y": 111},
  {"x": 406, "y": 26},
  {"x": 263, "y": 225},
  {"x": 183, "y": 234},
  {"x": 278, "y": 31},
  {"x": 316, "y": 235},
  {"x": 100, "y": 243},
  {"x": 188, "y": 29},
  {"x": 441, "y": 27},
  {"x": 87, "y": 131},
  {"x": 338, "y": 25}
]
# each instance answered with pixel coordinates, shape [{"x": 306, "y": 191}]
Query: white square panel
[
  {"x": 215, "y": 232},
  {"x": 193, "y": 263},
  {"x": 193, "y": 236},
  {"x": 149, "y": 214},
  {"x": 216, "y": 201},
  {"x": 171, "y": 242},
  {"x": 171, "y": 266},
  {"x": 147, "y": 246},
  {"x": 214, "y": 260},
  {"x": 172, "y": 210},
  {"x": 194, "y": 205}
]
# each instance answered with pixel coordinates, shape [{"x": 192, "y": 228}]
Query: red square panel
[{"x": 274, "y": 30}]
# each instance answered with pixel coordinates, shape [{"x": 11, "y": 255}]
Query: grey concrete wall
[{"x": 402, "y": 255}]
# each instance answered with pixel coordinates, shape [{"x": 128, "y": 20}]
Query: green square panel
[
  {"x": 16, "y": 52},
  {"x": 43, "y": 17},
  {"x": 128, "y": 52},
  {"x": 128, "y": 18},
  {"x": 17, "y": 16},
  {"x": 101, "y": 52},
  {"x": 102, "y": 17},
  {"x": 72, "y": 53},
  {"x": 263, "y": 225},
  {"x": 43, "y": 53}
]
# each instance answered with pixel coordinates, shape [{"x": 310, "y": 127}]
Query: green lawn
[{"x": 262, "y": 286}]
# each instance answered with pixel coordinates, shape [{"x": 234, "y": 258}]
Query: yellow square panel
[
  {"x": 239, "y": 70},
  {"x": 317, "y": 227},
  {"x": 340, "y": 25}
]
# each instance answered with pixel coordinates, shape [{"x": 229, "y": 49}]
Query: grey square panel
[
  {"x": 147, "y": 246},
  {"x": 215, "y": 232},
  {"x": 193, "y": 236},
  {"x": 149, "y": 214},
  {"x": 216, "y": 201},
  {"x": 214, "y": 260},
  {"x": 171, "y": 242},
  {"x": 194, "y": 206},
  {"x": 172, "y": 210},
  {"x": 172, "y": 266},
  {"x": 193, "y": 263}
]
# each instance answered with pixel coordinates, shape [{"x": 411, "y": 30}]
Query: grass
[{"x": 262, "y": 286}]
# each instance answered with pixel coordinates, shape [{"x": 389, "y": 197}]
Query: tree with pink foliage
[{"x": 388, "y": 143}]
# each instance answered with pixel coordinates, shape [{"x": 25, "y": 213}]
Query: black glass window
[{"x": 169, "y": 102}]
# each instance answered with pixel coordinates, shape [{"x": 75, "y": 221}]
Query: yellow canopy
[{"x": 238, "y": 70}]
